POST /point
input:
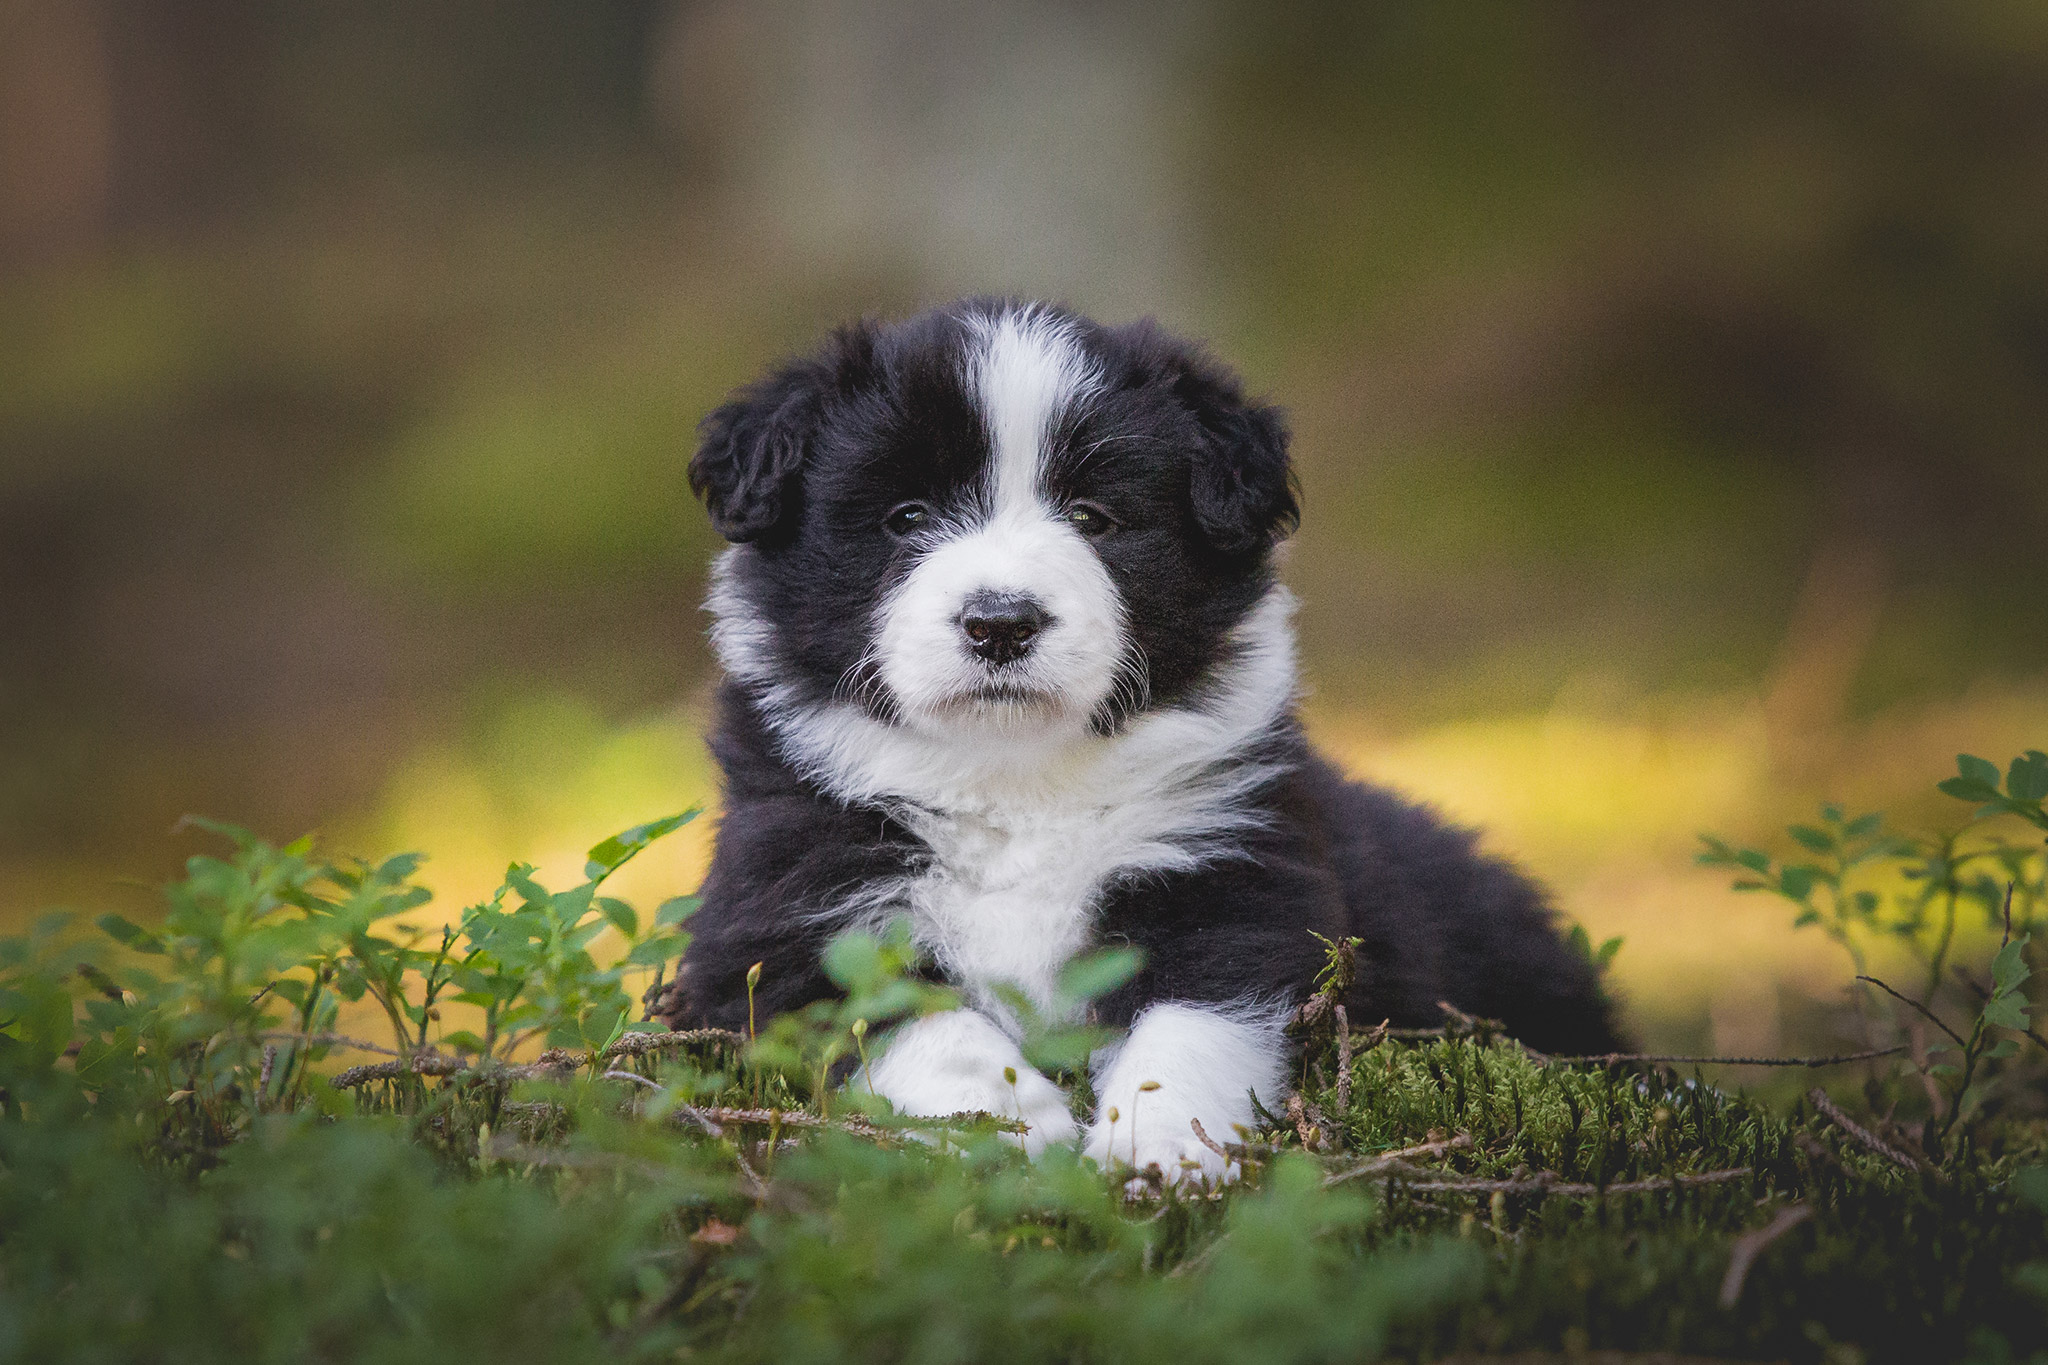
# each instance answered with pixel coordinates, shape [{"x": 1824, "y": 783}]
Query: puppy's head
[{"x": 994, "y": 516}]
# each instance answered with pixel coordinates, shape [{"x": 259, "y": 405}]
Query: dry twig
[
  {"x": 799, "y": 1118},
  {"x": 1343, "y": 1062},
  {"x": 1603, "y": 1058},
  {"x": 1926, "y": 1013},
  {"x": 1863, "y": 1135},
  {"x": 1546, "y": 1182},
  {"x": 1388, "y": 1161},
  {"x": 1202, "y": 1136},
  {"x": 1371, "y": 1038},
  {"x": 1298, "y": 1112},
  {"x": 554, "y": 1063},
  {"x": 1751, "y": 1245},
  {"x": 324, "y": 1040},
  {"x": 632, "y": 1076}
]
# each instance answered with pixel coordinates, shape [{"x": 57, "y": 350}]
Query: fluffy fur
[{"x": 1005, "y": 653}]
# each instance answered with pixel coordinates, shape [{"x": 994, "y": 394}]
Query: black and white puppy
[{"x": 1006, "y": 654}]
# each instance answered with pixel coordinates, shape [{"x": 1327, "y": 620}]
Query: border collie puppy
[{"x": 1005, "y": 653}]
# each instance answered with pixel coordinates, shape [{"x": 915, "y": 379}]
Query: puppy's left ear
[
  {"x": 752, "y": 448},
  {"x": 1243, "y": 482},
  {"x": 751, "y": 451}
]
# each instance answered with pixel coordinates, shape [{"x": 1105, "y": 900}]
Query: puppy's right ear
[{"x": 751, "y": 450}]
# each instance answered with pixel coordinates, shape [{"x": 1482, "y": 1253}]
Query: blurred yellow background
[{"x": 1668, "y": 386}]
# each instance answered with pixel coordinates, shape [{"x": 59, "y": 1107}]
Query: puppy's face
[{"x": 991, "y": 518}]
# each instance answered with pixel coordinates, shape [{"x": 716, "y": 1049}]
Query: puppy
[{"x": 1005, "y": 653}]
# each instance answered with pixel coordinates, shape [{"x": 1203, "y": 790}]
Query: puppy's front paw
[
  {"x": 1181, "y": 1159},
  {"x": 1043, "y": 1106},
  {"x": 959, "y": 1062}
]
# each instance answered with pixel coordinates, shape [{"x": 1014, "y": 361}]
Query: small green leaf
[
  {"x": 854, "y": 961},
  {"x": 397, "y": 871},
  {"x": 1967, "y": 789},
  {"x": 619, "y": 915},
  {"x": 2009, "y": 969},
  {"x": 675, "y": 910},
  {"x": 1097, "y": 974},
  {"x": 1978, "y": 770},
  {"x": 1815, "y": 840},
  {"x": 615, "y": 852},
  {"x": 519, "y": 877},
  {"x": 2006, "y": 1011},
  {"x": 2027, "y": 779},
  {"x": 1797, "y": 882},
  {"x": 129, "y": 933},
  {"x": 655, "y": 951}
]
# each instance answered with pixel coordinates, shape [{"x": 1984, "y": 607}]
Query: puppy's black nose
[{"x": 1000, "y": 627}]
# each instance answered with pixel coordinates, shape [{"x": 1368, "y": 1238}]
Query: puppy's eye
[
  {"x": 902, "y": 520},
  {"x": 1088, "y": 518}
]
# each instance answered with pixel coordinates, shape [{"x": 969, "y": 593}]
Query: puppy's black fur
[{"x": 803, "y": 469}]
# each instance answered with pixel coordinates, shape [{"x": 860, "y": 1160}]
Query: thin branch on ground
[
  {"x": 324, "y": 1040},
  {"x": 1925, "y": 1012},
  {"x": 634, "y": 1044},
  {"x": 690, "y": 1113},
  {"x": 1298, "y": 1113},
  {"x": 632, "y": 1076},
  {"x": 1398, "y": 1160},
  {"x": 1546, "y": 1182},
  {"x": 1864, "y": 1136},
  {"x": 1202, "y": 1136},
  {"x": 757, "y": 1188},
  {"x": 1370, "y": 1038},
  {"x": 1467, "y": 1023},
  {"x": 554, "y": 1063},
  {"x": 1343, "y": 1062},
  {"x": 802, "y": 1118},
  {"x": 425, "y": 1064},
  {"x": 1752, "y": 1244},
  {"x": 1603, "y": 1058}
]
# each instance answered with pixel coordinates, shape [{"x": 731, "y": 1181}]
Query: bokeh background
[{"x": 1669, "y": 385}]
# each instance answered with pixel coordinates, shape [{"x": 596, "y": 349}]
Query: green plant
[{"x": 1867, "y": 886}]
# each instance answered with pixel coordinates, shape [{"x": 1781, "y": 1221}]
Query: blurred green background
[{"x": 1669, "y": 386}]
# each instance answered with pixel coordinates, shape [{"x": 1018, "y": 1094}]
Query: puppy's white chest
[{"x": 1009, "y": 898}]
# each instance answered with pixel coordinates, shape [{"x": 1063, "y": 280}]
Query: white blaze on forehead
[
  {"x": 1024, "y": 370},
  {"x": 1028, "y": 370}
]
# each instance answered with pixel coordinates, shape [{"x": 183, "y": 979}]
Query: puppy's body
[{"x": 1005, "y": 654}]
